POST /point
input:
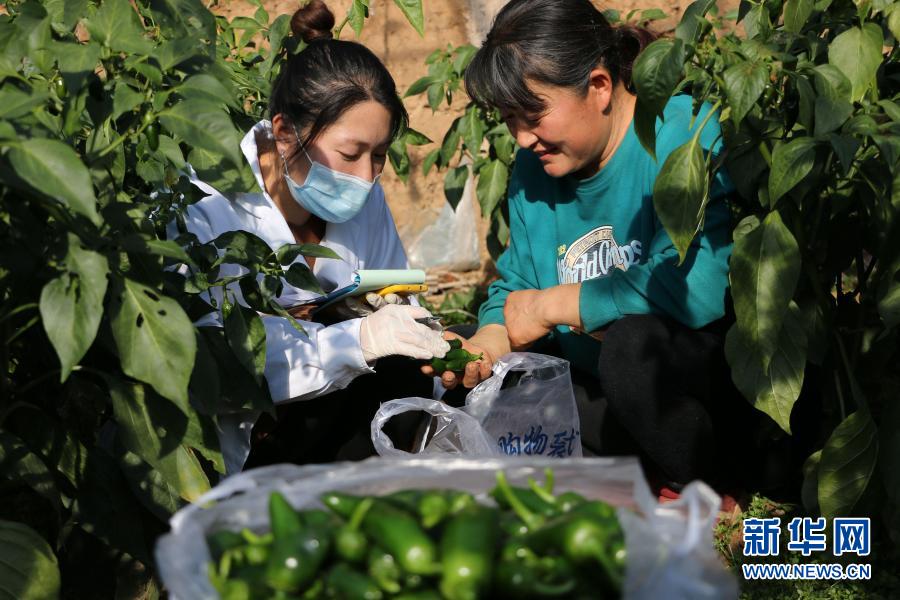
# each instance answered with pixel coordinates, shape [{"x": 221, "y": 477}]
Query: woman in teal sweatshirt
[{"x": 589, "y": 267}]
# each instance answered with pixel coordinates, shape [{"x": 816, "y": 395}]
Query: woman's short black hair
[
  {"x": 555, "y": 42},
  {"x": 330, "y": 76}
]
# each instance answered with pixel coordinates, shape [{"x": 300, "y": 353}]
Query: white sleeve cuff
[{"x": 341, "y": 353}]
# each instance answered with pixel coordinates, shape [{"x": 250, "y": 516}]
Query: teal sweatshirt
[{"x": 603, "y": 232}]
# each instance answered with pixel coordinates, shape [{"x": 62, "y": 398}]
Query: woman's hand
[
  {"x": 531, "y": 314},
  {"x": 525, "y": 315}
]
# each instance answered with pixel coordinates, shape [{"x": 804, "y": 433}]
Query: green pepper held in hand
[
  {"x": 344, "y": 582},
  {"x": 456, "y": 358},
  {"x": 467, "y": 553}
]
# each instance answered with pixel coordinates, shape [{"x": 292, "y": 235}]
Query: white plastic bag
[
  {"x": 526, "y": 408},
  {"x": 670, "y": 551}
]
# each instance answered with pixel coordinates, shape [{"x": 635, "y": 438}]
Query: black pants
[
  {"x": 337, "y": 426},
  {"x": 664, "y": 392}
]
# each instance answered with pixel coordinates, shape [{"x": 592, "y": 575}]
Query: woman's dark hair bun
[{"x": 313, "y": 21}]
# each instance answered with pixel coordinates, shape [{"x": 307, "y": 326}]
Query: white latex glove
[
  {"x": 393, "y": 331},
  {"x": 363, "y": 306}
]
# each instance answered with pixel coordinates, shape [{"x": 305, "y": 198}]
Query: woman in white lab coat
[{"x": 334, "y": 111}]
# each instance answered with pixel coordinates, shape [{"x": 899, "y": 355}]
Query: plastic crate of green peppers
[
  {"x": 426, "y": 544},
  {"x": 444, "y": 527}
]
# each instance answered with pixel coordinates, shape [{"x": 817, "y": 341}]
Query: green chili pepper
[
  {"x": 398, "y": 532},
  {"x": 351, "y": 544},
  {"x": 234, "y": 589},
  {"x": 344, "y": 582},
  {"x": 152, "y": 133},
  {"x": 531, "y": 508},
  {"x": 341, "y": 504},
  {"x": 584, "y": 535},
  {"x": 456, "y": 358},
  {"x": 59, "y": 86},
  {"x": 384, "y": 570},
  {"x": 517, "y": 579},
  {"x": 284, "y": 520},
  {"x": 467, "y": 552}
]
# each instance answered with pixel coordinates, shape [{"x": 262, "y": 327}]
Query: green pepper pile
[
  {"x": 427, "y": 544},
  {"x": 456, "y": 358}
]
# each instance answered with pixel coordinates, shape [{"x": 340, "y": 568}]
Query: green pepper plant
[{"x": 109, "y": 395}]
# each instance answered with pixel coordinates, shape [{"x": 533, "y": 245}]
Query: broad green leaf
[
  {"x": 172, "y": 53},
  {"x": 796, "y": 14},
  {"x": 809, "y": 491},
  {"x": 831, "y": 114},
  {"x": 29, "y": 570},
  {"x": 791, "y": 162},
  {"x": 71, "y": 305},
  {"x": 278, "y": 32},
  {"x": 680, "y": 194},
  {"x": 464, "y": 55},
  {"x": 172, "y": 151},
  {"x": 807, "y": 102},
  {"x": 19, "y": 464},
  {"x": 213, "y": 169},
  {"x": 765, "y": 268},
  {"x": 451, "y": 143},
  {"x": 246, "y": 336},
  {"x": 155, "y": 339},
  {"x": 645, "y": 127},
  {"x": 430, "y": 160},
  {"x": 848, "y": 460},
  {"x": 356, "y": 16},
  {"x": 435, "y": 96},
  {"x": 772, "y": 388},
  {"x": 419, "y": 86},
  {"x": 125, "y": 98},
  {"x": 142, "y": 244},
  {"x": 415, "y": 138},
  {"x": 148, "y": 484},
  {"x": 893, "y": 21},
  {"x": 301, "y": 277},
  {"x": 892, "y": 109},
  {"x": 455, "y": 184},
  {"x": 116, "y": 26},
  {"x": 53, "y": 441},
  {"x": 14, "y": 103},
  {"x": 845, "y": 147},
  {"x": 399, "y": 157},
  {"x": 492, "y": 182},
  {"x": 77, "y": 63},
  {"x": 757, "y": 22},
  {"x": 288, "y": 253},
  {"x": 412, "y": 9},
  {"x": 689, "y": 27},
  {"x": 744, "y": 84},
  {"x": 831, "y": 81},
  {"x": 154, "y": 429},
  {"x": 205, "y": 125},
  {"x": 471, "y": 128},
  {"x": 656, "y": 73},
  {"x": 55, "y": 169},
  {"x": 857, "y": 53}
]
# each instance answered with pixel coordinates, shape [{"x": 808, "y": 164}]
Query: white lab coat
[{"x": 326, "y": 359}]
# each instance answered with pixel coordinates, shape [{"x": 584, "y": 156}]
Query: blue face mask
[{"x": 332, "y": 196}]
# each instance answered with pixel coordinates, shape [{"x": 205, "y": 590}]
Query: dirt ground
[{"x": 416, "y": 205}]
